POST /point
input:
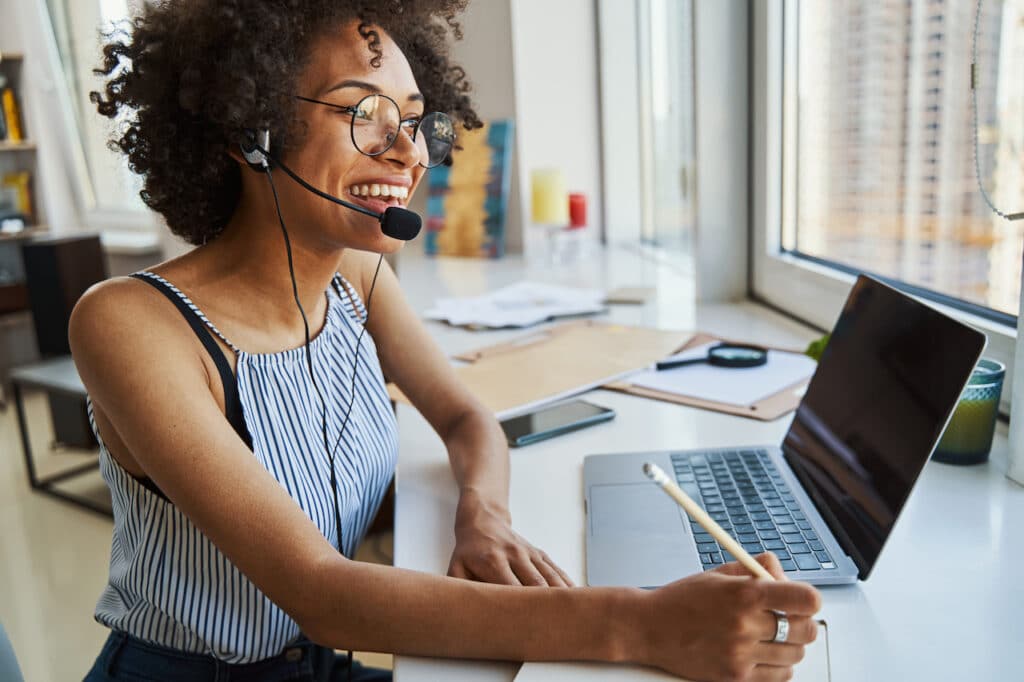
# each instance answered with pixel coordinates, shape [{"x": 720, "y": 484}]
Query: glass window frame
[
  {"x": 718, "y": 254},
  {"x": 813, "y": 289},
  {"x": 628, "y": 138}
]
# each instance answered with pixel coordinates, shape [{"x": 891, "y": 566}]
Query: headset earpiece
[{"x": 253, "y": 149}]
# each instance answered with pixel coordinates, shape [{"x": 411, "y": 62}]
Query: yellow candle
[
  {"x": 968, "y": 437},
  {"x": 970, "y": 430},
  {"x": 550, "y": 200}
]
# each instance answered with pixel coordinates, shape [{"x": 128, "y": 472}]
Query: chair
[
  {"x": 9, "y": 670},
  {"x": 58, "y": 270}
]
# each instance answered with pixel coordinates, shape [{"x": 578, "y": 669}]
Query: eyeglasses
[{"x": 377, "y": 120}]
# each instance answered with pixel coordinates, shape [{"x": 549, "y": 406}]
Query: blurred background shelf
[
  {"x": 28, "y": 233},
  {"x": 26, "y": 146}
]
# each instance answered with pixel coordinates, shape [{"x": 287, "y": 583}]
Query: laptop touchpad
[{"x": 637, "y": 537}]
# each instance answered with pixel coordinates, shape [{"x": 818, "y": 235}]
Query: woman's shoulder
[
  {"x": 113, "y": 296},
  {"x": 127, "y": 295},
  {"x": 131, "y": 298},
  {"x": 124, "y": 311},
  {"x": 358, "y": 269}
]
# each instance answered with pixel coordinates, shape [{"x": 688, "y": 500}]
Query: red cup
[{"x": 577, "y": 210}]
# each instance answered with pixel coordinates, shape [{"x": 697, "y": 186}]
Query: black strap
[{"x": 232, "y": 402}]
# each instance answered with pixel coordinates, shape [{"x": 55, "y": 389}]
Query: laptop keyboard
[{"x": 744, "y": 492}]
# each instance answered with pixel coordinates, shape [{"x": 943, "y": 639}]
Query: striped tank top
[{"x": 169, "y": 585}]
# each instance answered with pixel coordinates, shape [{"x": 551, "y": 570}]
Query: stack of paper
[{"x": 518, "y": 305}]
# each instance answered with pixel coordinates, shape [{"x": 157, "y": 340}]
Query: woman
[{"x": 246, "y": 435}]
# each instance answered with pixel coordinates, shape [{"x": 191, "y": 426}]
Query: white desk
[{"x": 945, "y": 601}]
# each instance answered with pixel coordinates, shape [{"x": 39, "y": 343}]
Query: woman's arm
[
  {"x": 143, "y": 366},
  {"x": 712, "y": 626},
  {"x": 486, "y": 547}
]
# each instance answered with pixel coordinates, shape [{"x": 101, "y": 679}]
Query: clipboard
[
  {"x": 550, "y": 364},
  {"x": 769, "y": 408}
]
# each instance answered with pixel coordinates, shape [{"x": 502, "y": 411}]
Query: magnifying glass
[{"x": 733, "y": 355}]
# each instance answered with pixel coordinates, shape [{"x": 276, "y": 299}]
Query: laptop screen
[{"x": 884, "y": 389}]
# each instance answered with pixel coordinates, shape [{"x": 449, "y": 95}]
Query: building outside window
[{"x": 882, "y": 152}]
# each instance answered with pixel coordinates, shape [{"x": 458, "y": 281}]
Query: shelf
[
  {"x": 6, "y": 146},
  {"x": 27, "y": 233},
  {"x": 13, "y": 297},
  {"x": 15, "y": 319}
]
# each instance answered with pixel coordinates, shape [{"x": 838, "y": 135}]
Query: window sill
[{"x": 814, "y": 293}]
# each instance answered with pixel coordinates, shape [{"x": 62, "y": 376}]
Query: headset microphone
[
  {"x": 395, "y": 222},
  {"x": 400, "y": 223}
]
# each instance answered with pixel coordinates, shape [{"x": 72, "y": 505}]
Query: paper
[
  {"x": 814, "y": 668},
  {"x": 559, "y": 362},
  {"x": 733, "y": 386},
  {"x": 518, "y": 305},
  {"x": 630, "y": 295}
]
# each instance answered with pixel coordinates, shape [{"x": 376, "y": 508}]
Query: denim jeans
[{"x": 127, "y": 658}]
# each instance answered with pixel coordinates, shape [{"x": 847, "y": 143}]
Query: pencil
[{"x": 654, "y": 472}]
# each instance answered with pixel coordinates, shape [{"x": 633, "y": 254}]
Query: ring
[{"x": 781, "y": 628}]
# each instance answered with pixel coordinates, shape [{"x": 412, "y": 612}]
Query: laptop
[{"x": 825, "y": 500}]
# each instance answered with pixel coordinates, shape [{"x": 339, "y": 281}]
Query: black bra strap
[{"x": 232, "y": 402}]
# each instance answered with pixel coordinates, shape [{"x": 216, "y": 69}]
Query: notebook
[{"x": 814, "y": 668}]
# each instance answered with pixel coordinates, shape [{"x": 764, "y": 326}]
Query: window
[
  {"x": 667, "y": 149},
  {"x": 862, "y": 195},
  {"x": 648, "y": 123},
  {"x": 106, "y": 183},
  {"x": 864, "y": 157}
]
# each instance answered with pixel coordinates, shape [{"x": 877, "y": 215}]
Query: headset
[{"x": 395, "y": 222}]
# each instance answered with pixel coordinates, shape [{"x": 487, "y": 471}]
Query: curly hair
[{"x": 188, "y": 80}]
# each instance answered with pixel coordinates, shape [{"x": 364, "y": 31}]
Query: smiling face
[{"x": 339, "y": 73}]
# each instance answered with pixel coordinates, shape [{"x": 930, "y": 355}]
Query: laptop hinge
[{"x": 826, "y": 515}]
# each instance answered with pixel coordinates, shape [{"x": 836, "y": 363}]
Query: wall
[
  {"x": 617, "y": 28},
  {"x": 554, "y": 45},
  {"x": 722, "y": 128},
  {"x": 485, "y": 52},
  {"x": 536, "y": 61}
]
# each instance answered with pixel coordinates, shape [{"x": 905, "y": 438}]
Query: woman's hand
[
  {"x": 488, "y": 550},
  {"x": 719, "y": 625}
]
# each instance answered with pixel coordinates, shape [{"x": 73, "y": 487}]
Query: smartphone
[{"x": 552, "y": 421}]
